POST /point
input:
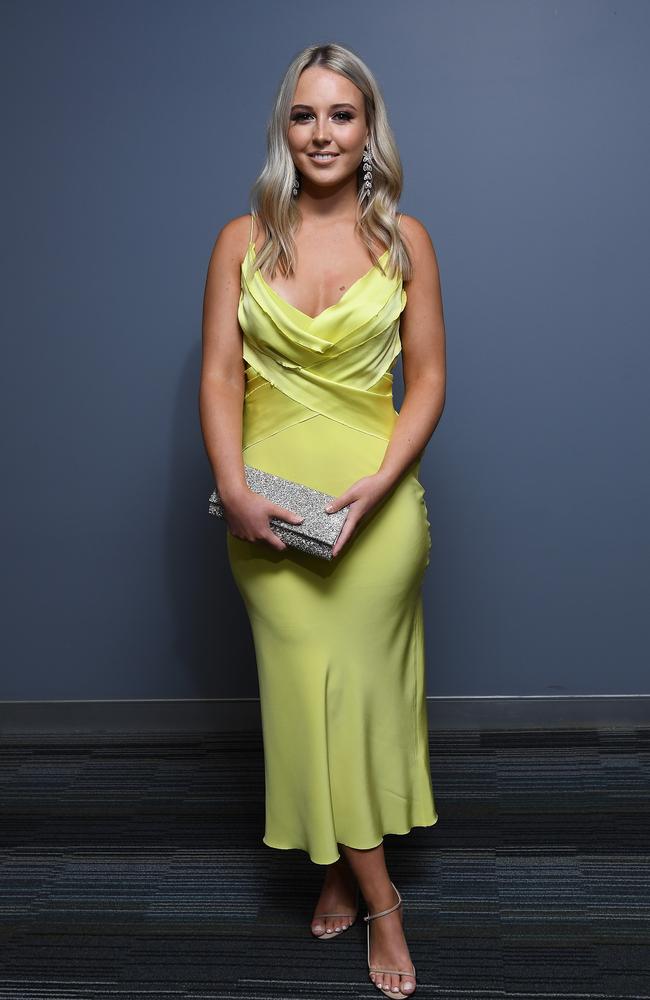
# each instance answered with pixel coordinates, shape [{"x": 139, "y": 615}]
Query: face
[{"x": 327, "y": 116}]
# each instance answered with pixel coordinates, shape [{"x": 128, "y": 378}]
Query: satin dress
[{"x": 339, "y": 645}]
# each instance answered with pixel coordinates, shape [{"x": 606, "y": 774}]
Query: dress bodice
[{"x": 337, "y": 363}]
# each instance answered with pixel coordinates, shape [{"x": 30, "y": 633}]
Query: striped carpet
[{"x": 133, "y": 866}]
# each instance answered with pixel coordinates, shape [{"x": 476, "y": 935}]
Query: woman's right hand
[{"x": 247, "y": 515}]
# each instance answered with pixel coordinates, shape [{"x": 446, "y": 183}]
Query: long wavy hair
[{"x": 272, "y": 200}]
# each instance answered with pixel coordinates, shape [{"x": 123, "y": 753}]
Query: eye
[{"x": 301, "y": 115}]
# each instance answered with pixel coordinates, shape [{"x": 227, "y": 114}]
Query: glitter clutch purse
[{"x": 319, "y": 530}]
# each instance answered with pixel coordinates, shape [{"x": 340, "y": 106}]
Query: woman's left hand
[{"x": 363, "y": 496}]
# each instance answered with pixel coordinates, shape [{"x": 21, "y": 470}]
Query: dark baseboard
[{"x": 228, "y": 714}]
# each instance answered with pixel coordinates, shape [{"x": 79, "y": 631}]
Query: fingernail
[{"x": 328, "y": 508}]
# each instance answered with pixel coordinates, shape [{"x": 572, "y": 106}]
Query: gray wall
[{"x": 132, "y": 133}]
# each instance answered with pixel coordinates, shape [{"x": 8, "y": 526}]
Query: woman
[{"x": 305, "y": 313}]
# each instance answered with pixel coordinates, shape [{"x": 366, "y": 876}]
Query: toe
[{"x": 408, "y": 985}]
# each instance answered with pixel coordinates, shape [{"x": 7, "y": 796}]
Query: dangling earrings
[
  {"x": 296, "y": 185},
  {"x": 367, "y": 173}
]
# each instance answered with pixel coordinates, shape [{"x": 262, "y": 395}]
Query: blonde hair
[{"x": 271, "y": 194}]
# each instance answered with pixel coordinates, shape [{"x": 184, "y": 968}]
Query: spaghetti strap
[{"x": 250, "y": 237}]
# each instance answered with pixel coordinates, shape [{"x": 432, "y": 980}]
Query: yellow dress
[{"x": 339, "y": 645}]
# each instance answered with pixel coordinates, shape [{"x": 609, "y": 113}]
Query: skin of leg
[
  {"x": 338, "y": 895},
  {"x": 388, "y": 948}
]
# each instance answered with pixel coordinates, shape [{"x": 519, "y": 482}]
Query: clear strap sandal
[{"x": 392, "y": 972}]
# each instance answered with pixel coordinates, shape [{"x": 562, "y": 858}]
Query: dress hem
[{"x": 357, "y": 847}]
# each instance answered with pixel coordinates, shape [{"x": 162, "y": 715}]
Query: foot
[
  {"x": 389, "y": 950},
  {"x": 338, "y": 895}
]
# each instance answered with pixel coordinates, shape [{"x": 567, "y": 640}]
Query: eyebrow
[{"x": 308, "y": 107}]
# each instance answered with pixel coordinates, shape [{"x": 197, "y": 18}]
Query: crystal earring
[
  {"x": 296, "y": 185},
  {"x": 367, "y": 173}
]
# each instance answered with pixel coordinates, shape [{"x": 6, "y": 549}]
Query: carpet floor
[{"x": 133, "y": 866}]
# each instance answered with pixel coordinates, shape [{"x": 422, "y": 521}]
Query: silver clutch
[{"x": 318, "y": 532}]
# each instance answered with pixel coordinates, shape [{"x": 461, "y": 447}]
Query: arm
[
  {"x": 422, "y": 332},
  {"x": 222, "y": 390}
]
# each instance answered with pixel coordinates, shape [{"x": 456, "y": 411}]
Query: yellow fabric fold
[{"x": 317, "y": 362}]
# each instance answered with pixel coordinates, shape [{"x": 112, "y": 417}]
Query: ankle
[
  {"x": 339, "y": 872},
  {"x": 381, "y": 898}
]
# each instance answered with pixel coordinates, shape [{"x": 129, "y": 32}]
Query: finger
[
  {"x": 346, "y": 532},
  {"x": 275, "y": 541},
  {"x": 286, "y": 515},
  {"x": 337, "y": 503}
]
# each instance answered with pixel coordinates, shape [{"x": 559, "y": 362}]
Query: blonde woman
[{"x": 308, "y": 302}]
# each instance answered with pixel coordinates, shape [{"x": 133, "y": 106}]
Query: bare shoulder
[
  {"x": 418, "y": 243},
  {"x": 223, "y": 280},
  {"x": 231, "y": 242}
]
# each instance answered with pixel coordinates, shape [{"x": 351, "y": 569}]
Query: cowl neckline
[{"x": 340, "y": 302}]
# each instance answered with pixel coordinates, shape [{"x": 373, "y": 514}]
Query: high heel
[
  {"x": 328, "y": 935},
  {"x": 394, "y": 972}
]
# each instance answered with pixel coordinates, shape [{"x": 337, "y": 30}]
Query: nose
[{"x": 321, "y": 130}]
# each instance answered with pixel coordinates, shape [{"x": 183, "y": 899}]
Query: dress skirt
[{"x": 340, "y": 656}]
